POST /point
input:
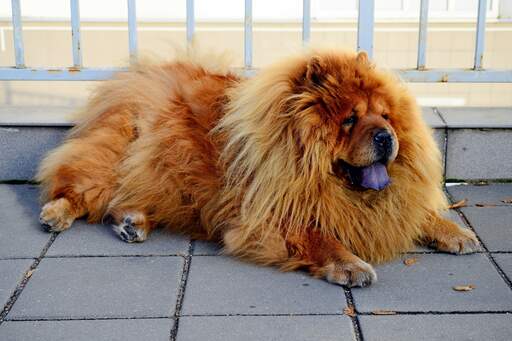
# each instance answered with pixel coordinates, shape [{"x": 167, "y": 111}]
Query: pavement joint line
[
  {"x": 394, "y": 313},
  {"x": 181, "y": 291},
  {"x": 486, "y": 250},
  {"x": 356, "y": 326},
  {"x": 445, "y": 141},
  {"x": 26, "y": 277},
  {"x": 117, "y": 256}
]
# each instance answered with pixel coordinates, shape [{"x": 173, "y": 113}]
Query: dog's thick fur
[{"x": 250, "y": 162}]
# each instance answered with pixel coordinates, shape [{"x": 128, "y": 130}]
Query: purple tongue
[{"x": 375, "y": 177}]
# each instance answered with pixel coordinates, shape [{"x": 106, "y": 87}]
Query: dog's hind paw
[
  {"x": 128, "y": 231},
  {"x": 352, "y": 274},
  {"x": 56, "y": 215}
]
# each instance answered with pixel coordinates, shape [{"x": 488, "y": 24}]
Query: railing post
[
  {"x": 19, "y": 52},
  {"x": 480, "y": 34},
  {"x": 365, "y": 24},
  {"x": 422, "y": 34},
  {"x": 248, "y": 34},
  {"x": 75, "y": 33},
  {"x": 306, "y": 21},
  {"x": 132, "y": 31},
  {"x": 190, "y": 21}
]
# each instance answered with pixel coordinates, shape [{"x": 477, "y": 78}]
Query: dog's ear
[
  {"x": 362, "y": 57},
  {"x": 315, "y": 70}
]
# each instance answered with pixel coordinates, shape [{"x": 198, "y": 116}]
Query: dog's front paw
[
  {"x": 355, "y": 273},
  {"x": 56, "y": 215},
  {"x": 128, "y": 231},
  {"x": 462, "y": 241}
]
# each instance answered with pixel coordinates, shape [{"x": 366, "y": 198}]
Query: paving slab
[
  {"x": 84, "y": 239},
  {"x": 224, "y": 285},
  {"x": 481, "y": 117},
  {"x": 505, "y": 262},
  {"x": 23, "y": 148},
  {"x": 428, "y": 285},
  {"x": 496, "y": 327},
  {"x": 479, "y": 154},
  {"x": 493, "y": 225},
  {"x": 432, "y": 117},
  {"x": 12, "y": 272},
  {"x": 20, "y": 232},
  {"x": 492, "y": 194},
  {"x": 206, "y": 248},
  {"x": 86, "y": 330},
  {"x": 100, "y": 287},
  {"x": 265, "y": 328}
]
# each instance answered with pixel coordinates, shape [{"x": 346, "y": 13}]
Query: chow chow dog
[{"x": 321, "y": 162}]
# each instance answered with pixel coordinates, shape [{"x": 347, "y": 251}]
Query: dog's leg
[
  {"x": 327, "y": 258},
  {"x": 133, "y": 227},
  {"x": 444, "y": 235},
  {"x": 323, "y": 256}
]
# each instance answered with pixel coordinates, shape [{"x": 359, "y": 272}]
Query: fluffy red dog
[{"x": 320, "y": 162}]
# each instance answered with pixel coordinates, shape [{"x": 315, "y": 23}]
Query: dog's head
[{"x": 350, "y": 112}]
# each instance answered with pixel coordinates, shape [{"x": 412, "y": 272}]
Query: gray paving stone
[
  {"x": 265, "y": 328},
  {"x": 86, "y": 330},
  {"x": 479, "y": 154},
  {"x": 224, "y": 285},
  {"x": 432, "y": 118},
  {"x": 480, "y": 117},
  {"x": 495, "y": 327},
  {"x": 505, "y": 262},
  {"x": 20, "y": 232},
  {"x": 100, "y": 287},
  {"x": 12, "y": 272},
  {"x": 22, "y": 149},
  {"x": 493, "y": 225},
  {"x": 439, "y": 137},
  {"x": 206, "y": 248},
  {"x": 428, "y": 286},
  {"x": 84, "y": 239},
  {"x": 492, "y": 194}
]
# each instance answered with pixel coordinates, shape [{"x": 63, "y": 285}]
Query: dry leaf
[
  {"x": 507, "y": 201},
  {"x": 481, "y": 183},
  {"x": 410, "y": 261},
  {"x": 479, "y": 204},
  {"x": 464, "y": 287},
  {"x": 383, "y": 312},
  {"x": 29, "y": 273},
  {"x": 458, "y": 204},
  {"x": 349, "y": 311}
]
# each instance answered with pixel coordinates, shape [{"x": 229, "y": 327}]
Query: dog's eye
[
  {"x": 350, "y": 120},
  {"x": 385, "y": 116}
]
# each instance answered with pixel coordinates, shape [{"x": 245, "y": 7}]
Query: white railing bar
[
  {"x": 422, "y": 34},
  {"x": 17, "y": 35},
  {"x": 248, "y": 34},
  {"x": 190, "y": 20},
  {"x": 480, "y": 34},
  {"x": 306, "y": 21},
  {"x": 365, "y": 26},
  {"x": 132, "y": 31},
  {"x": 75, "y": 33},
  {"x": 410, "y": 75}
]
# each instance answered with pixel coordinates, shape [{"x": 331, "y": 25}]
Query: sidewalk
[{"x": 86, "y": 284}]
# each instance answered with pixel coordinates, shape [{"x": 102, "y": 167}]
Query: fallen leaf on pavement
[
  {"x": 349, "y": 311},
  {"x": 410, "y": 261},
  {"x": 384, "y": 312},
  {"x": 481, "y": 204},
  {"x": 507, "y": 201},
  {"x": 464, "y": 287},
  {"x": 458, "y": 204},
  {"x": 29, "y": 273},
  {"x": 481, "y": 183}
]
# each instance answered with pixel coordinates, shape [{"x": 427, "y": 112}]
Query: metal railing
[{"x": 365, "y": 30}]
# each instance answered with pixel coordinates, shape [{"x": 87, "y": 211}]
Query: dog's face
[{"x": 346, "y": 110}]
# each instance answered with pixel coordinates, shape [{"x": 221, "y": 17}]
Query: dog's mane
[{"x": 272, "y": 183}]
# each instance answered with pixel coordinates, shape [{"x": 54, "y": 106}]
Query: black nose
[{"x": 383, "y": 143}]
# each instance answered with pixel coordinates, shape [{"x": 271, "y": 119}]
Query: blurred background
[{"x": 277, "y": 32}]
